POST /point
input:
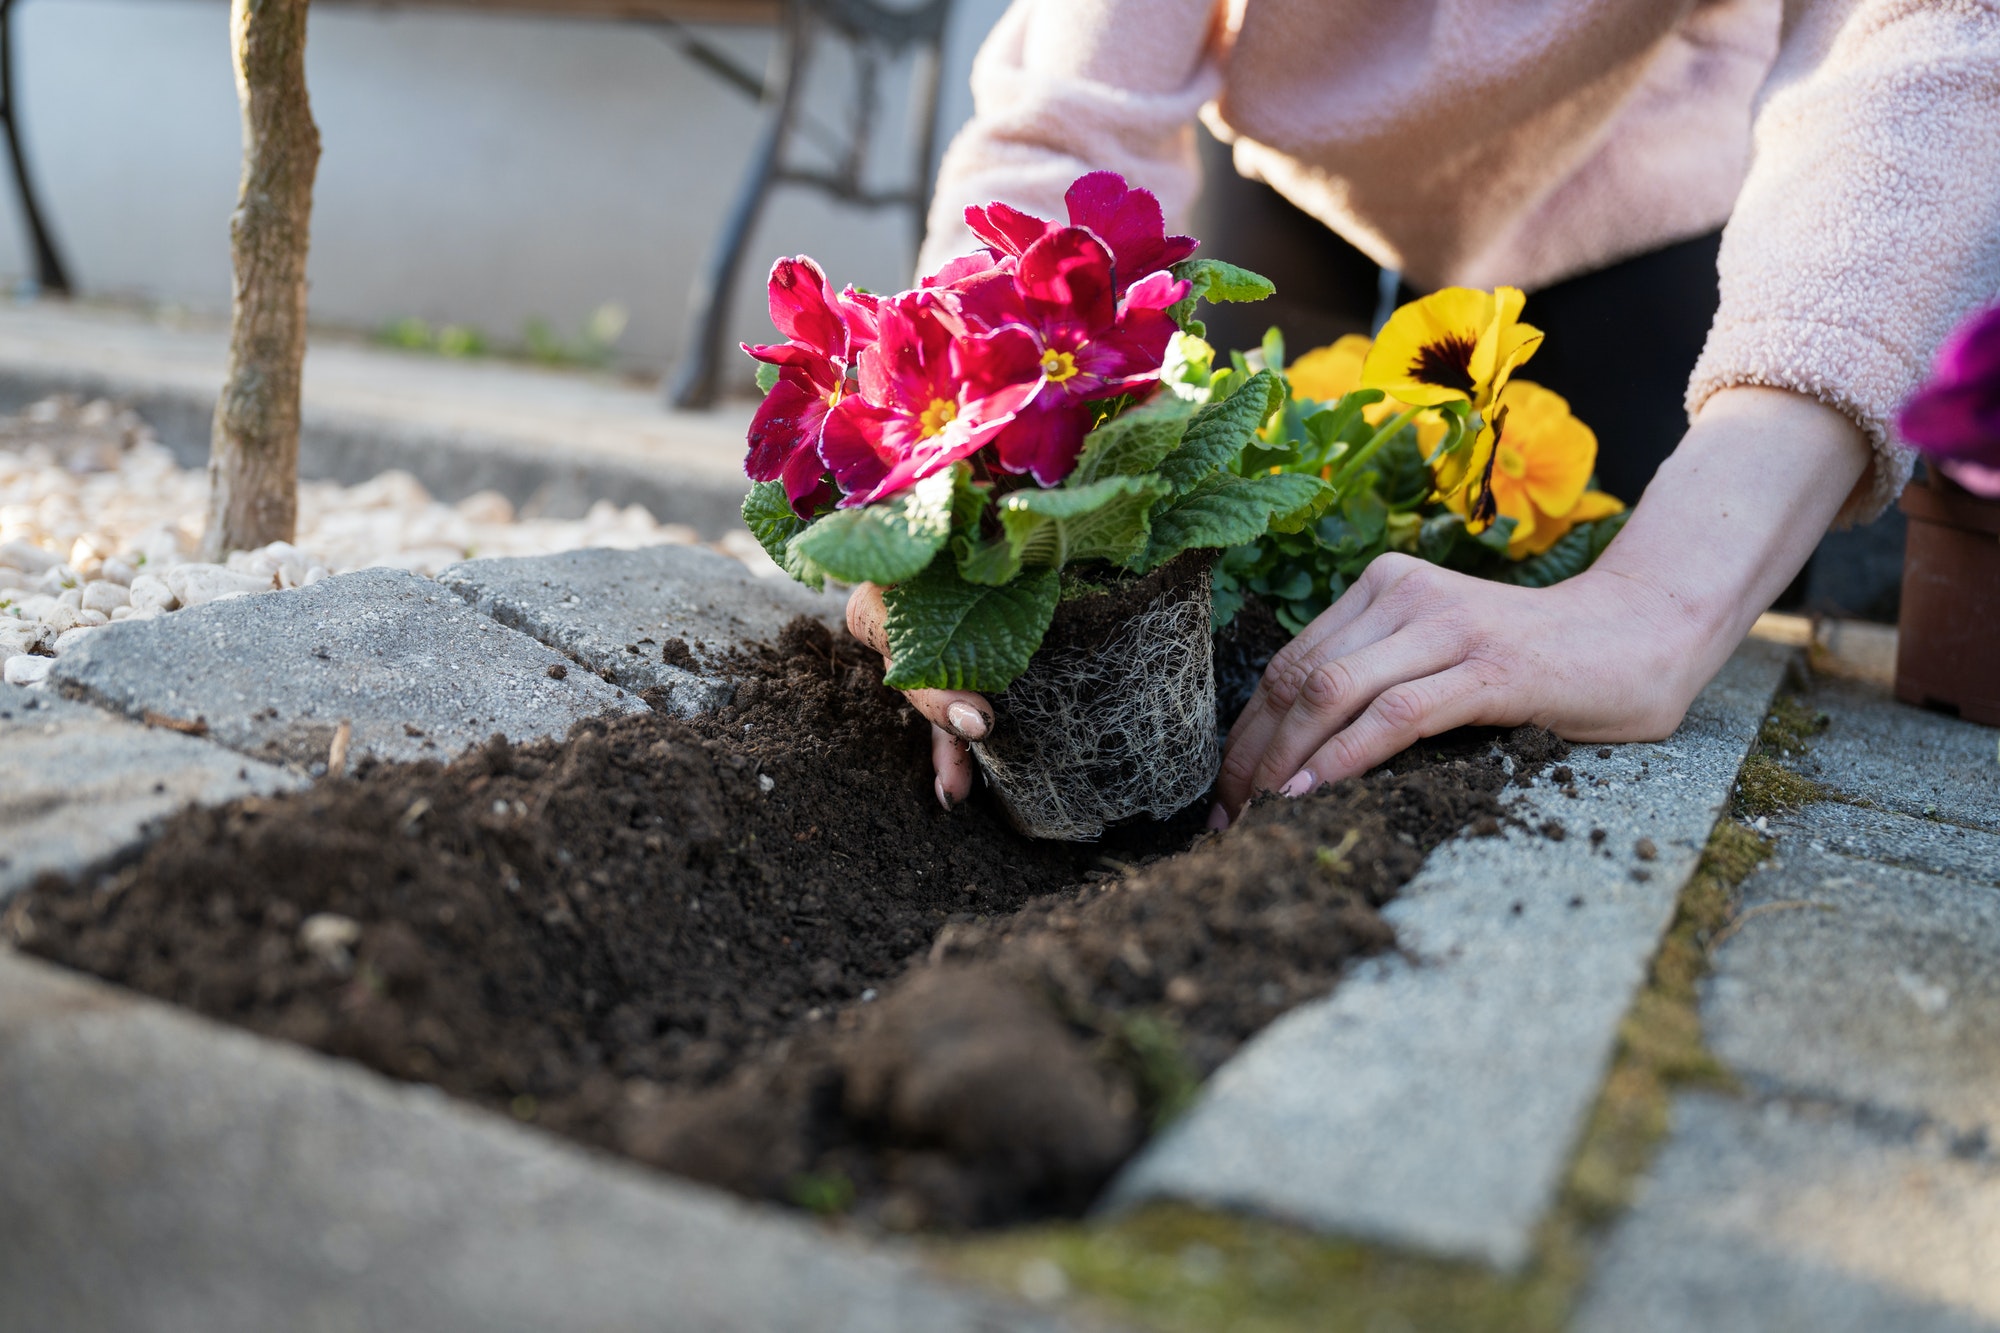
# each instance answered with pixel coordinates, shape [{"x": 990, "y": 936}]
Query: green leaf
[
  {"x": 1218, "y": 433},
  {"x": 1133, "y": 442},
  {"x": 771, "y": 521},
  {"x": 947, "y": 634},
  {"x": 885, "y": 542},
  {"x": 767, "y": 376},
  {"x": 1273, "y": 348},
  {"x": 989, "y": 561},
  {"x": 1225, "y": 510},
  {"x": 1106, "y": 520},
  {"x": 1214, "y": 281},
  {"x": 1301, "y": 515}
]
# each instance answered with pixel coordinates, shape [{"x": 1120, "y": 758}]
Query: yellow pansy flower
[
  {"x": 1531, "y": 464},
  {"x": 1457, "y": 344},
  {"x": 1328, "y": 374}
]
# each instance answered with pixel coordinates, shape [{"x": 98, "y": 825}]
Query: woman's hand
[
  {"x": 956, "y": 716},
  {"x": 1616, "y": 653}
]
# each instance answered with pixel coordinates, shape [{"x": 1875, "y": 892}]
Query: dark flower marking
[
  {"x": 1484, "y": 509},
  {"x": 1447, "y": 363}
]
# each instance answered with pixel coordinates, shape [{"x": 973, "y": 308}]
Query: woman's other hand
[
  {"x": 956, "y": 716},
  {"x": 1614, "y": 654}
]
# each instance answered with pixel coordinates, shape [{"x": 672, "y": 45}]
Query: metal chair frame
[{"x": 875, "y": 33}]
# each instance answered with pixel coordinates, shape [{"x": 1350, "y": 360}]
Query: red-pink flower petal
[
  {"x": 1126, "y": 356},
  {"x": 801, "y": 310},
  {"x": 1155, "y": 291},
  {"x": 1129, "y": 222},
  {"x": 858, "y": 311},
  {"x": 1007, "y": 230},
  {"x": 1066, "y": 279},
  {"x": 788, "y": 421},
  {"x": 1044, "y": 437}
]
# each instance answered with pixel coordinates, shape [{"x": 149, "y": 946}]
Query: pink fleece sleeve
[
  {"x": 1869, "y": 222},
  {"x": 1062, "y": 87}
]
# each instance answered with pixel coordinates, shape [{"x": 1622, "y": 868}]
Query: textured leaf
[
  {"x": 771, "y": 521},
  {"x": 1214, "y": 281},
  {"x": 1314, "y": 496},
  {"x": 1106, "y": 520},
  {"x": 1217, "y": 434},
  {"x": 1133, "y": 442},
  {"x": 947, "y": 634},
  {"x": 885, "y": 542},
  {"x": 1224, "y": 510}
]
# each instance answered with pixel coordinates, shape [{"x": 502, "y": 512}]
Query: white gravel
[{"x": 98, "y": 523}]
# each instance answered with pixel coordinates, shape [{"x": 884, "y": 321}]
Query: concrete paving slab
[
  {"x": 79, "y": 786},
  {"x": 416, "y": 672},
  {"x": 1780, "y": 1219},
  {"x": 661, "y": 616},
  {"x": 168, "y": 1175},
  {"x": 1867, "y": 984},
  {"x": 1432, "y": 1102},
  {"x": 1906, "y": 759},
  {"x": 1891, "y": 839}
]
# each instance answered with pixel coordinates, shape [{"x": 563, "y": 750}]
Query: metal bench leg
[
  {"x": 49, "y": 272},
  {"x": 694, "y": 379}
]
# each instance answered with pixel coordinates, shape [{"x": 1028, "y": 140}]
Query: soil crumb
[{"x": 754, "y": 950}]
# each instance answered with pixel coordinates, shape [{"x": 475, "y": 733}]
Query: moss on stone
[
  {"x": 1180, "y": 1269},
  {"x": 1766, "y": 787},
  {"x": 1789, "y": 725}
]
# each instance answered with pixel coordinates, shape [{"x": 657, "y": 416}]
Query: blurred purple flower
[{"x": 1954, "y": 419}]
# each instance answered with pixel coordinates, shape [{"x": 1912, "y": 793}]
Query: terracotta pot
[{"x": 1948, "y": 642}]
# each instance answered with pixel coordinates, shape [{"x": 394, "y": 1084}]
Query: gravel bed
[{"x": 98, "y": 524}]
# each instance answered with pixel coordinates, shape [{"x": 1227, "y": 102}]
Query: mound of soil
[{"x": 753, "y": 949}]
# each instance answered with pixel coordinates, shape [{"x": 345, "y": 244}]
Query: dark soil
[{"x": 755, "y": 951}]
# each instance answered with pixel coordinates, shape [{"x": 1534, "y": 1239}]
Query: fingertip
[
  {"x": 1218, "y": 818},
  {"x": 1301, "y": 782},
  {"x": 943, "y": 793}
]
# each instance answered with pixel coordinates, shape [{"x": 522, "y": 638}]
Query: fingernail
[
  {"x": 1302, "y": 782},
  {"x": 944, "y": 797},
  {"x": 1218, "y": 818},
  {"x": 966, "y": 721}
]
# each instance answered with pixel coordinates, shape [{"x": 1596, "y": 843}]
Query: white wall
[{"x": 475, "y": 169}]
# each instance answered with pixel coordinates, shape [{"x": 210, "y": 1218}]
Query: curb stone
[
  {"x": 623, "y": 614},
  {"x": 416, "y": 672},
  {"x": 79, "y": 786},
  {"x": 1432, "y": 1101},
  {"x": 189, "y": 1178}
]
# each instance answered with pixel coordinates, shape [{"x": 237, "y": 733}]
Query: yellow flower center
[
  {"x": 937, "y": 416},
  {"x": 1058, "y": 366},
  {"x": 833, "y": 394}
]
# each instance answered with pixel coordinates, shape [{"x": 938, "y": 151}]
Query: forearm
[{"x": 1734, "y": 513}]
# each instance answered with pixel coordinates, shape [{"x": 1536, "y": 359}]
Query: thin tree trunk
[{"x": 253, "y": 458}]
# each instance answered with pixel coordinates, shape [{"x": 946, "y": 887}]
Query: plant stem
[{"x": 1375, "y": 442}]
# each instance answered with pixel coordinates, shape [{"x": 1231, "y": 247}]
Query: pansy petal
[
  {"x": 1556, "y": 452},
  {"x": 1424, "y": 355},
  {"x": 1328, "y": 374}
]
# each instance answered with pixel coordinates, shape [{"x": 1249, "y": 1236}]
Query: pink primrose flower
[
  {"x": 1128, "y": 221},
  {"x": 1954, "y": 419},
  {"x": 823, "y": 336},
  {"x": 926, "y": 398},
  {"x": 1088, "y": 344}
]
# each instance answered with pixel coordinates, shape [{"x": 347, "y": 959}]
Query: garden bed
[{"x": 753, "y": 950}]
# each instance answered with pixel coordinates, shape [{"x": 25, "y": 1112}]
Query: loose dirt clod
[{"x": 664, "y": 938}]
